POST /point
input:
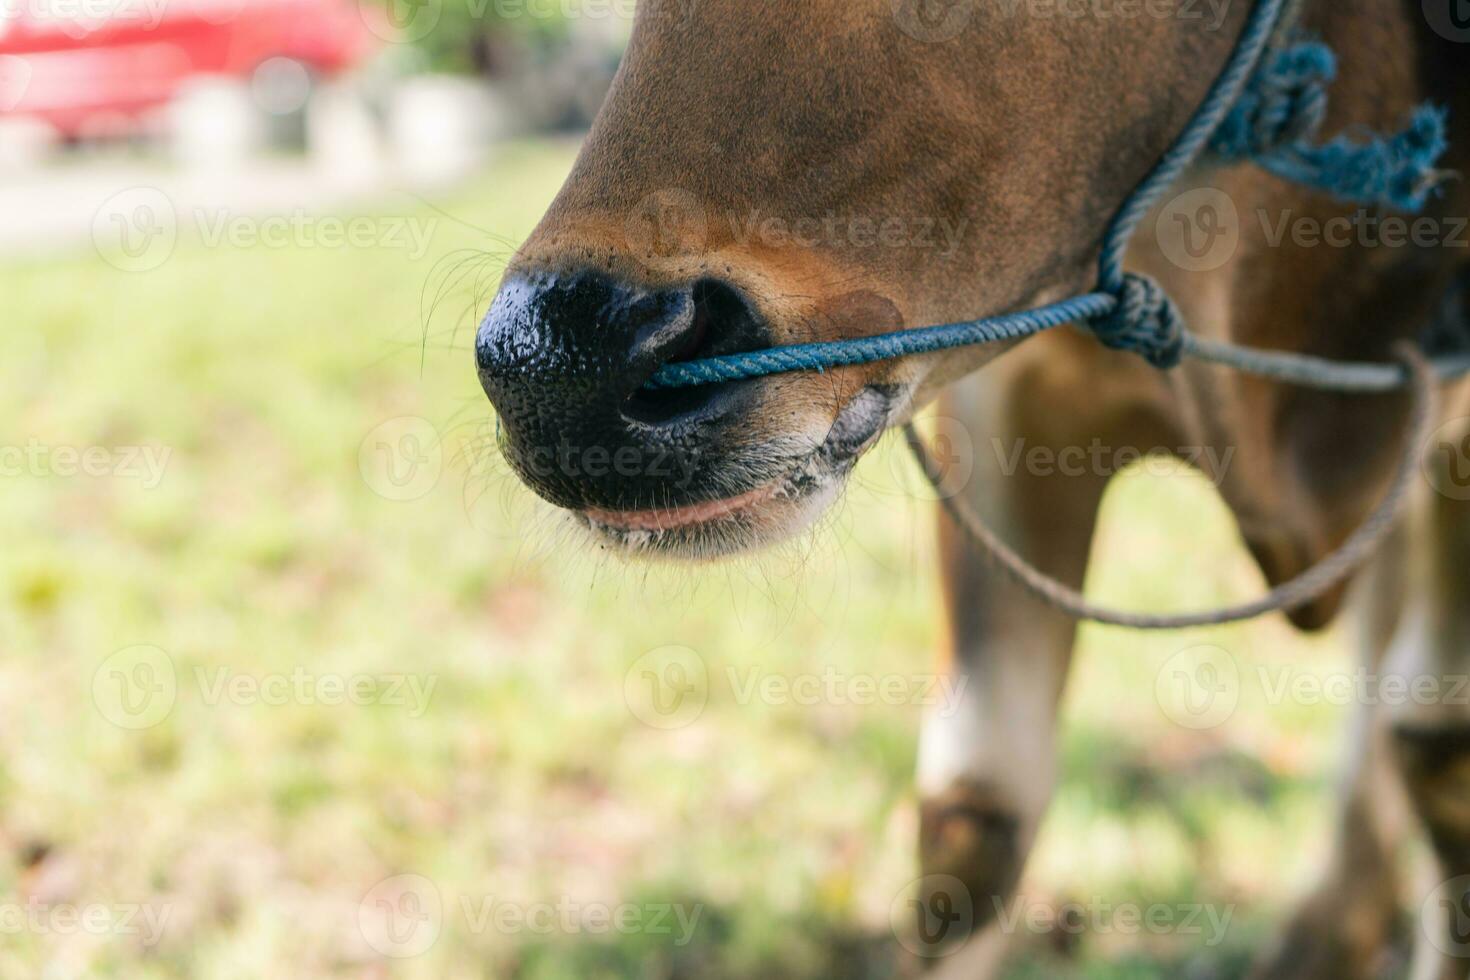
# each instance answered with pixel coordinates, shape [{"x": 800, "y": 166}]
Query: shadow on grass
[
  {"x": 1109, "y": 776},
  {"x": 736, "y": 944},
  {"x": 730, "y": 943}
]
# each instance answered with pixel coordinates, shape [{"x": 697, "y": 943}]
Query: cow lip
[{"x": 685, "y": 515}]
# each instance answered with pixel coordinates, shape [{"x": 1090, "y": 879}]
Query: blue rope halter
[{"x": 1263, "y": 107}]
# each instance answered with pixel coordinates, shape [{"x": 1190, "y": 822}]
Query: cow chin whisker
[{"x": 794, "y": 505}]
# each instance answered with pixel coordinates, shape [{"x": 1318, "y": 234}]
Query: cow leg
[
  {"x": 1343, "y": 930},
  {"x": 987, "y": 762},
  {"x": 1432, "y": 732}
]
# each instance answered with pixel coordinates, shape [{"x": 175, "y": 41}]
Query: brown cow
[{"x": 773, "y": 173}]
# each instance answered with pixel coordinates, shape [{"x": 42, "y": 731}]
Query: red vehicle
[{"x": 91, "y": 66}]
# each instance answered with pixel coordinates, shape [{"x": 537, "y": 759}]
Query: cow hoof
[
  {"x": 969, "y": 842},
  {"x": 1327, "y": 941}
]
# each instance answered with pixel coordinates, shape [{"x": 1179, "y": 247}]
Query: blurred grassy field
[{"x": 259, "y": 827}]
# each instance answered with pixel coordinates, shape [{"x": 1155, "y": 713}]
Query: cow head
[{"x": 770, "y": 173}]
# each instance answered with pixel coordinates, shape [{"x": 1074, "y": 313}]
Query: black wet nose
[{"x": 564, "y": 359}]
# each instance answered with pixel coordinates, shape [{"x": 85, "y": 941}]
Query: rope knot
[
  {"x": 1285, "y": 102},
  {"x": 1145, "y": 322}
]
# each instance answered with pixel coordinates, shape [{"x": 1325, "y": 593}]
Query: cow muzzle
[{"x": 565, "y": 358}]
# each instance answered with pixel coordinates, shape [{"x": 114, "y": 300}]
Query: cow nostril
[
  {"x": 694, "y": 339},
  {"x": 668, "y": 406},
  {"x": 663, "y": 406},
  {"x": 723, "y": 323}
]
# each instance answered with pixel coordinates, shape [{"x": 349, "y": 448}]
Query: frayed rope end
[
  {"x": 1396, "y": 170},
  {"x": 1281, "y": 111}
]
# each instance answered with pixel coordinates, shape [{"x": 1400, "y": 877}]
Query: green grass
[{"x": 258, "y": 828}]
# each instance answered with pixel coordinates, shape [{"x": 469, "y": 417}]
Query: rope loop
[
  {"x": 1285, "y": 103},
  {"x": 1145, "y": 322},
  {"x": 1312, "y": 584}
]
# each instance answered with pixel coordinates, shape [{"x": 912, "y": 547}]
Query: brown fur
[{"x": 1028, "y": 132}]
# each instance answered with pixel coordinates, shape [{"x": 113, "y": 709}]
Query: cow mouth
[
  {"x": 686, "y": 516},
  {"x": 756, "y": 515}
]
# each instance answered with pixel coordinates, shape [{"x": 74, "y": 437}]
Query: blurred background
[{"x": 297, "y": 681}]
